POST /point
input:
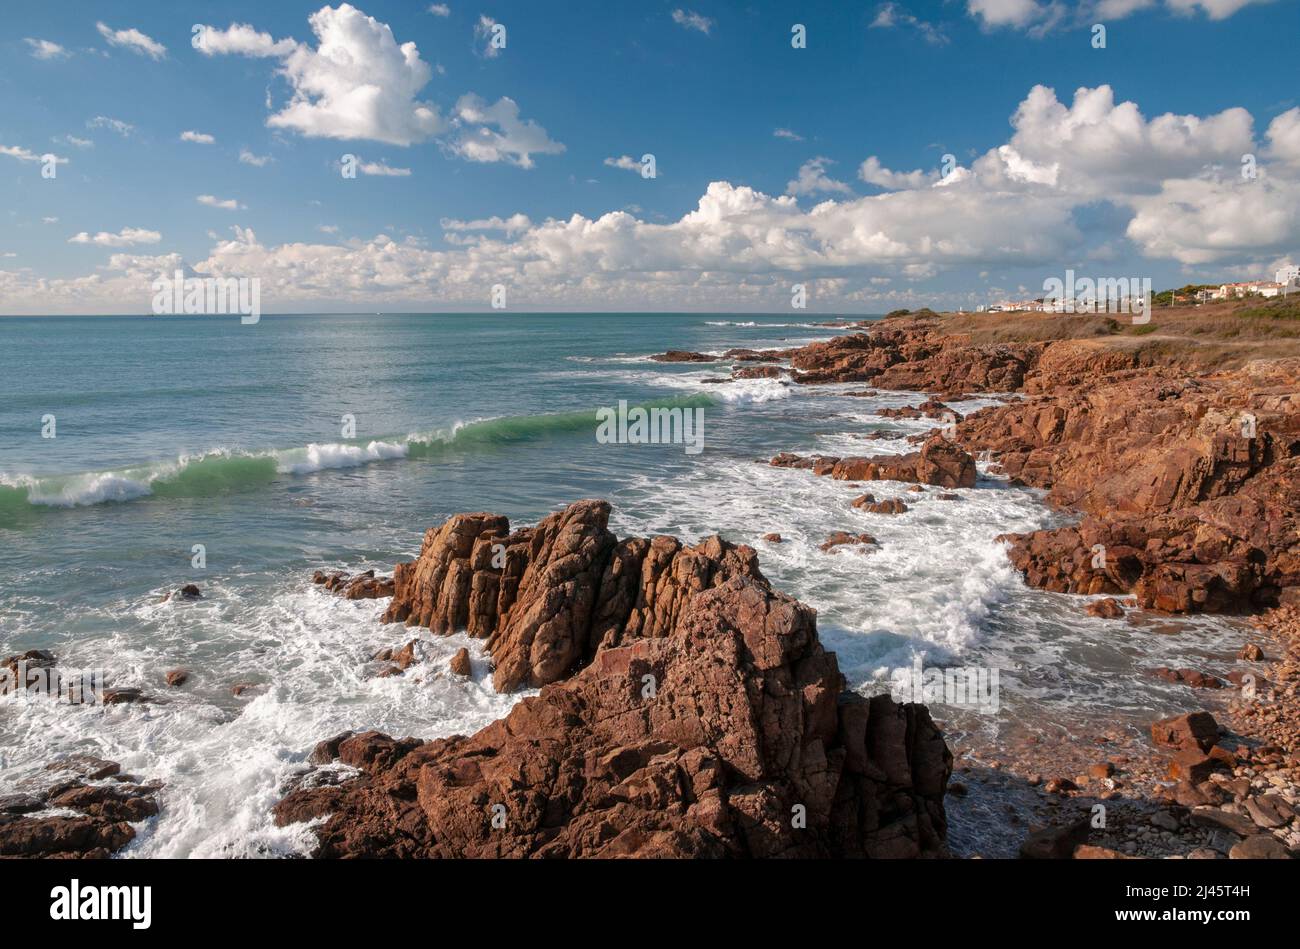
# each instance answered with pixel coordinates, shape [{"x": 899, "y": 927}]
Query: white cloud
[
  {"x": 491, "y": 133},
  {"x": 228, "y": 204},
  {"x": 1284, "y": 137},
  {"x": 1171, "y": 185},
  {"x": 511, "y": 225},
  {"x": 76, "y": 142},
  {"x": 117, "y": 125},
  {"x": 379, "y": 169},
  {"x": 240, "y": 39},
  {"x": 786, "y": 133},
  {"x": 358, "y": 83},
  {"x": 328, "y": 228},
  {"x": 126, "y": 237},
  {"x": 889, "y": 15},
  {"x": 440, "y": 9},
  {"x": 484, "y": 30},
  {"x": 1214, "y": 9},
  {"x": 813, "y": 179},
  {"x": 257, "y": 161},
  {"x": 134, "y": 40},
  {"x": 49, "y": 220},
  {"x": 692, "y": 21},
  {"x": 1203, "y": 220},
  {"x": 1017, "y": 13},
  {"x": 199, "y": 138},
  {"x": 45, "y": 49},
  {"x": 23, "y": 154},
  {"x": 625, "y": 162},
  {"x": 873, "y": 172}
]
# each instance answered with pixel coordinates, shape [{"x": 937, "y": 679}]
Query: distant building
[
  {"x": 1232, "y": 291},
  {"x": 1287, "y": 275}
]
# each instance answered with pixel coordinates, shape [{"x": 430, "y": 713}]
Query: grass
[{"x": 1222, "y": 335}]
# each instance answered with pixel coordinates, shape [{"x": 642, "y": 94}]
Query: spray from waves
[{"x": 225, "y": 470}]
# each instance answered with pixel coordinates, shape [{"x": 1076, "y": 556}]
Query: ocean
[{"x": 332, "y": 442}]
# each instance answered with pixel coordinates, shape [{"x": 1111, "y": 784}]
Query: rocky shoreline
[{"x": 685, "y": 708}]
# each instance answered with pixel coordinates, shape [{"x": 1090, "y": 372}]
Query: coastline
[{"x": 910, "y": 355}]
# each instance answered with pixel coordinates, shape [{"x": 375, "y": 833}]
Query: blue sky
[{"x": 469, "y": 136}]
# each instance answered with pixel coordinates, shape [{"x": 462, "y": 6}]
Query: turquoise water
[{"x": 176, "y": 432}]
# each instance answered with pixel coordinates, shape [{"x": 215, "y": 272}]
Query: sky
[{"x": 881, "y": 155}]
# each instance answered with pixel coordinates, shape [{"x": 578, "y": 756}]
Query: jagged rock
[
  {"x": 743, "y": 737},
  {"x": 460, "y": 662},
  {"x": 176, "y": 677}
]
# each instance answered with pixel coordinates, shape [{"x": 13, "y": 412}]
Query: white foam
[{"x": 319, "y": 457}]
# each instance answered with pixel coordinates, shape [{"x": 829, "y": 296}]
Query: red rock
[
  {"x": 1197, "y": 680},
  {"x": 1106, "y": 608},
  {"x": 869, "y": 504},
  {"x": 1194, "y": 730},
  {"x": 1251, "y": 653},
  {"x": 705, "y": 720},
  {"x": 840, "y": 538},
  {"x": 772, "y": 538},
  {"x": 177, "y": 678},
  {"x": 460, "y": 662}
]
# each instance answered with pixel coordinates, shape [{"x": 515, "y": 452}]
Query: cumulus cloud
[
  {"x": 490, "y": 133},
  {"x": 199, "y": 138},
  {"x": 357, "y": 83},
  {"x": 133, "y": 40},
  {"x": 1172, "y": 184},
  {"x": 813, "y": 179},
  {"x": 873, "y": 172},
  {"x": 126, "y": 237},
  {"x": 46, "y": 49},
  {"x": 240, "y": 39},
  {"x": 1038, "y": 17},
  {"x": 1214, "y": 9},
  {"x": 1284, "y": 137}
]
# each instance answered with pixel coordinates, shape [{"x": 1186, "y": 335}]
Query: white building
[{"x": 1287, "y": 275}]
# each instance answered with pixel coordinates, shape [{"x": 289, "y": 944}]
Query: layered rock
[
  {"x": 1192, "y": 486},
  {"x": 547, "y": 597},
  {"x": 939, "y": 462},
  {"x": 710, "y": 724}
]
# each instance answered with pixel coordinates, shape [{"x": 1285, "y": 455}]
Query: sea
[{"x": 141, "y": 454}]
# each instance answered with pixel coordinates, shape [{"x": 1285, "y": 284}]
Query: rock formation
[{"x": 687, "y": 710}]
